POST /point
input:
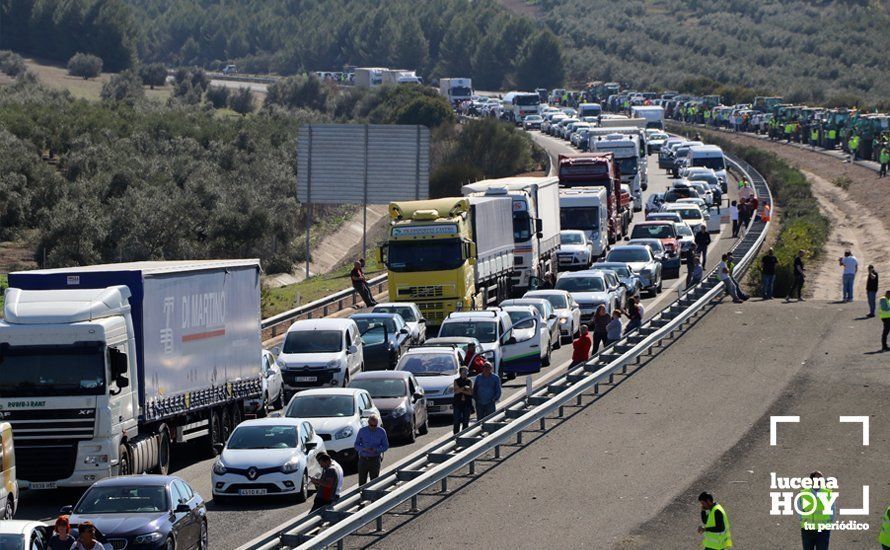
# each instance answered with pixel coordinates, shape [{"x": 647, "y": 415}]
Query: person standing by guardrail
[
  {"x": 734, "y": 218},
  {"x": 329, "y": 483},
  {"x": 884, "y": 314},
  {"x": 798, "y": 277},
  {"x": 871, "y": 289},
  {"x": 370, "y": 443},
  {"x": 486, "y": 391},
  {"x": 360, "y": 284},
  {"x": 635, "y": 314},
  {"x": 726, "y": 279},
  {"x": 462, "y": 402},
  {"x": 600, "y": 320},
  {"x": 851, "y": 267},
  {"x": 581, "y": 346},
  {"x": 884, "y": 159},
  {"x": 715, "y": 530},
  {"x": 614, "y": 328}
]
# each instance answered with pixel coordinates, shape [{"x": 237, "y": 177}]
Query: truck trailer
[
  {"x": 103, "y": 369},
  {"x": 627, "y": 156},
  {"x": 450, "y": 254},
  {"x": 456, "y": 90},
  {"x": 598, "y": 170},
  {"x": 535, "y": 223}
]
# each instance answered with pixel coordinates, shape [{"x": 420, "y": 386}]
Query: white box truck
[
  {"x": 585, "y": 209},
  {"x": 653, "y": 114},
  {"x": 369, "y": 77},
  {"x": 456, "y": 90},
  {"x": 535, "y": 223},
  {"x": 103, "y": 368},
  {"x": 627, "y": 154}
]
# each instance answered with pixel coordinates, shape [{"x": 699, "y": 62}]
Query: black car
[
  {"x": 400, "y": 400},
  {"x": 385, "y": 336},
  {"x": 143, "y": 512}
]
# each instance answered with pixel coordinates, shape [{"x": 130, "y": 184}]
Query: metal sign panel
[{"x": 362, "y": 164}]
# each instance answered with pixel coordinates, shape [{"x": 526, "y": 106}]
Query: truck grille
[
  {"x": 42, "y": 425},
  {"x": 422, "y": 292},
  {"x": 117, "y": 544},
  {"x": 433, "y": 312},
  {"x": 45, "y": 462}
]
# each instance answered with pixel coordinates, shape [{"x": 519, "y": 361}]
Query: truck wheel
[
  {"x": 123, "y": 466},
  {"x": 237, "y": 416},
  {"x": 263, "y": 410},
  {"x": 163, "y": 465},
  {"x": 226, "y": 424},
  {"x": 216, "y": 431}
]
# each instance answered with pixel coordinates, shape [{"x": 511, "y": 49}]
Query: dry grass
[{"x": 56, "y": 76}]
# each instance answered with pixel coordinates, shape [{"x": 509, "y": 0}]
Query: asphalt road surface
[
  {"x": 235, "y": 524},
  {"x": 625, "y": 471}
]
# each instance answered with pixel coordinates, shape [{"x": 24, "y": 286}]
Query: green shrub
[
  {"x": 153, "y": 74},
  {"x": 218, "y": 96},
  {"x": 125, "y": 86},
  {"x": 85, "y": 65},
  {"x": 11, "y": 64}
]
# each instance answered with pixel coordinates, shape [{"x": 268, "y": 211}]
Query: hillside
[{"x": 805, "y": 50}]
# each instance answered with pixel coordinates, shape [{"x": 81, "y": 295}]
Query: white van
[
  {"x": 709, "y": 156},
  {"x": 9, "y": 487},
  {"x": 318, "y": 353}
]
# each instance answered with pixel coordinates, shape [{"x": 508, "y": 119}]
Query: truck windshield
[
  {"x": 461, "y": 91},
  {"x": 27, "y": 371},
  {"x": 437, "y": 255},
  {"x": 313, "y": 341},
  {"x": 628, "y": 166},
  {"x": 527, "y": 99},
  {"x": 522, "y": 229},
  {"x": 580, "y": 217},
  {"x": 714, "y": 163}
]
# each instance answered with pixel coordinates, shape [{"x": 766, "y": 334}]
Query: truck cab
[
  {"x": 585, "y": 209},
  {"x": 626, "y": 152}
]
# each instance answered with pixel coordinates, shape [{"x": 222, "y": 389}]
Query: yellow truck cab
[
  {"x": 451, "y": 254},
  {"x": 9, "y": 487}
]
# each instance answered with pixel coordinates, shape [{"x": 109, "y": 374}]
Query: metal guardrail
[
  {"x": 405, "y": 480},
  {"x": 346, "y": 298}
]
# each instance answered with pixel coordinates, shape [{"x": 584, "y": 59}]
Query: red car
[{"x": 661, "y": 230}]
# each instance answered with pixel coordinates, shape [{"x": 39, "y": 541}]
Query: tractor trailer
[
  {"x": 450, "y": 254},
  {"x": 535, "y": 223},
  {"x": 103, "y": 369},
  {"x": 598, "y": 170}
]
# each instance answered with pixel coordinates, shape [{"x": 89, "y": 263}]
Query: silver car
[{"x": 641, "y": 260}]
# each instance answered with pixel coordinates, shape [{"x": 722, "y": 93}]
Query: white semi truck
[
  {"x": 535, "y": 223},
  {"x": 456, "y": 90},
  {"x": 627, "y": 154},
  {"x": 585, "y": 209},
  {"x": 104, "y": 368}
]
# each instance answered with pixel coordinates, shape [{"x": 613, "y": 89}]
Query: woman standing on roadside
[{"x": 600, "y": 328}]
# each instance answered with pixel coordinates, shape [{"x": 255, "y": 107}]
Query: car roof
[
  {"x": 139, "y": 479},
  {"x": 520, "y": 301},
  {"x": 328, "y": 391},
  {"x": 447, "y": 340},
  {"x": 271, "y": 421},
  {"x": 520, "y": 307},
  {"x": 652, "y": 222},
  {"x": 582, "y": 273},
  {"x": 429, "y": 349},
  {"x": 630, "y": 247},
  {"x": 18, "y": 526},
  {"x": 394, "y": 304},
  {"x": 544, "y": 292},
  {"x": 482, "y": 315},
  {"x": 382, "y": 374},
  {"x": 371, "y": 314},
  {"x": 321, "y": 324}
]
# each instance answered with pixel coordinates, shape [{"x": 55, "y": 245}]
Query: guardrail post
[
  {"x": 414, "y": 508},
  {"x": 519, "y": 438},
  {"x": 497, "y": 451},
  {"x": 444, "y": 485},
  {"x": 561, "y": 412},
  {"x": 379, "y": 524},
  {"x": 543, "y": 426},
  {"x": 473, "y": 468}
]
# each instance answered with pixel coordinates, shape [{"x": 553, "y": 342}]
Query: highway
[{"x": 255, "y": 516}]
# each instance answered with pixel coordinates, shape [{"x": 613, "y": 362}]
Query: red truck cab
[{"x": 597, "y": 170}]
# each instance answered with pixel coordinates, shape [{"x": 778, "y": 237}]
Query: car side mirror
[
  {"x": 182, "y": 508},
  {"x": 511, "y": 340},
  {"x": 421, "y": 320},
  {"x": 404, "y": 330},
  {"x": 118, "y": 360},
  {"x": 552, "y": 316},
  {"x": 66, "y": 510},
  {"x": 351, "y": 350},
  {"x": 218, "y": 448},
  {"x": 276, "y": 351},
  {"x": 310, "y": 446},
  {"x": 367, "y": 413},
  {"x": 418, "y": 396}
]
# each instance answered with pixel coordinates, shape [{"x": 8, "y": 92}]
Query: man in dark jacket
[{"x": 702, "y": 240}]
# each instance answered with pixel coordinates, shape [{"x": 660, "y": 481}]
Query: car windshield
[
  {"x": 628, "y": 165},
  {"x": 313, "y": 341},
  {"x": 263, "y": 437},
  {"x": 123, "y": 499},
  {"x": 516, "y": 316},
  {"x": 428, "y": 364},
  {"x": 579, "y": 217},
  {"x": 365, "y": 323},
  {"x": 425, "y": 255},
  {"x": 12, "y": 542},
  {"x": 621, "y": 270},
  {"x": 628, "y": 255},
  {"x": 659, "y": 231},
  {"x": 571, "y": 238},
  {"x": 533, "y": 118},
  {"x": 321, "y": 406},
  {"x": 558, "y": 301},
  {"x": 714, "y": 163},
  {"x": 27, "y": 371},
  {"x": 654, "y": 244},
  {"x": 381, "y": 388},
  {"x": 406, "y": 312},
  {"x": 484, "y": 331},
  {"x": 691, "y": 213},
  {"x": 581, "y": 284},
  {"x": 683, "y": 230}
]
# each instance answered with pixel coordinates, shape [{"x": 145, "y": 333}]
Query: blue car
[
  {"x": 385, "y": 337},
  {"x": 143, "y": 512}
]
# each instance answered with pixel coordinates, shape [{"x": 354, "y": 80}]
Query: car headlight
[
  {"x": 333, "y": 364},
  {"x": 281, "y": 363},
  {"x": 148, "y": 538},
  {"x": 291, "y": 466},
  {"x": 563, "y": 320},
  {"x": 448, "y": 391},
  {"x": 399, "y": 411},
  {"x": 219, "y": 468},
  {"x": 344, "y": 433}
]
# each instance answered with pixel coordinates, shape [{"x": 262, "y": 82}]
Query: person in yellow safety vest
[
  {"x": 884, "y": 536},
  {"x": 714, "y": 530},
  {"x": 812, "y": 537},
  {"x": 814, "y": 136},
  {"x": 854, "y": 146},
  {"x": 884, "y": 159},
  {"x": 789, "y": 129},
  {"x": 832, "y": 136},
  {"x": 884, "y": 316},
  {"x": 707, "y": 115}
]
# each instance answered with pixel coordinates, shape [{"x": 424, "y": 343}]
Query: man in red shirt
[
  {"x": 473, "y": 360},
  {"x": 581, "y": 346}
]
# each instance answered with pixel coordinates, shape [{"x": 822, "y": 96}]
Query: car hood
[
  {"x": 331, "y": 425},
  {"x": 640, "y": 266},
  {"x": 389, "y": 403},
  {"x": 573, "y": 248},
  {"x": 590, "y": 297},
  {"x": 259, "y": 458},
  {"x": 435, "y": 384},
  {"x": 112, "y": 525},
  {"x": 298, "y": 360}
]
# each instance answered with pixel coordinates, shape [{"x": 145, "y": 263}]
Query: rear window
[{"x": 660, "y": 231}]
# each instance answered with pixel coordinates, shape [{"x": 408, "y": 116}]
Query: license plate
[
  {"x": 306, "y": 378},
  {"x": 251, "y": 492},
  {"x": 43, "y": 485},
  {"x": 435, "y": 408}
]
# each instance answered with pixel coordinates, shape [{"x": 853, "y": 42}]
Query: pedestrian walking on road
[
  {"x": 812, "y": 535},
  {"x": 581, "y": 346},
  {"x": 702, "y": 240},
  {"x": 614, "y": 328},
  {"x": 798, "y": 278},
  {"x": 744, "y": 213},
  {"x": 61, "y": 539},
  {"x": 86, "y": 538},
  {"x": 329, "y": 483},
  {"x": 734, "y": 217},
  {"x": 851, "y": 267},
  {"x": 486, "y": 392},
  {"x": 462, "y": 402},
  {"x": 871, "y": 290},
  {"x": 360, "y": 284},
  {"x": 884, "y": 314},
  {"x": 726, "y": 279},
  {"x": 715, "y": 530},
  {"x": 600, "y": 321},
  {"x": 884, "y": 536},
  {"x": 370, "y": 443},
  {"x": 768, "y": 274}
]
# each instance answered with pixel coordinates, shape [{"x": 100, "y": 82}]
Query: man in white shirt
[
  {"x": 734, "y": 217},
  {"x": 851, "y": 266}
]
